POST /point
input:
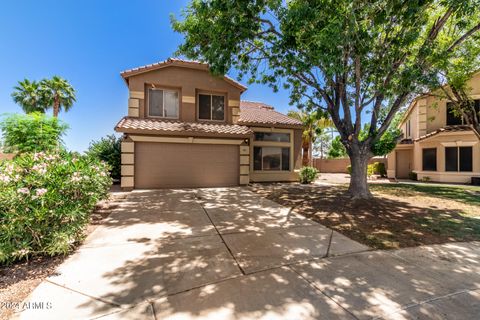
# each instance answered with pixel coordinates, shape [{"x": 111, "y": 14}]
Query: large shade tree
[{"x": 358, "y": 60}]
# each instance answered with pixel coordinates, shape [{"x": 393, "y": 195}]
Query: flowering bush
[{"x": 45, "y": 202}]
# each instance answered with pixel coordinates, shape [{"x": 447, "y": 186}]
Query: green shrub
[
  {"x": 45, "y": 202},
  {"x": 412, "y": 176},
  {"x": 108, "y": 149},
  {"x": 32, "y": 132},
  {"x": 308, "y": 174},
  {"x": 370, "y": 170},
  {"x": 379, "y": 168},
  {"x": 374, "y": 168},
  {"x": 349, "y": 170}
]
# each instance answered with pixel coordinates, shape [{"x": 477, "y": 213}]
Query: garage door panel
[{"x": 170, "y": 165}]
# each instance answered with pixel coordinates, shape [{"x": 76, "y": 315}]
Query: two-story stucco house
[
  {"x": 187, "y": 128},
  {"x": 437, "y": 145}
]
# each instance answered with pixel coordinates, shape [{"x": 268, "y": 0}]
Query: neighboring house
[
  {"x": 437, "y": 145},
  {"x": 187, "y": 128}
]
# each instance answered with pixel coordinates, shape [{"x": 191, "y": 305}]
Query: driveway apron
[{"x": 227, "y": 253}]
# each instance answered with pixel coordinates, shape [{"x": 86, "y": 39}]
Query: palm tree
[
  {"x": 58, "y": 94},
  {"x": 313, "y": 125},
  {"x": 28, "y": 95}
]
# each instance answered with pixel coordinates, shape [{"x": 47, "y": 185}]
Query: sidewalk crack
[
  {"x": 311, "y": 284},
  {"x": 220, "y": 235}
]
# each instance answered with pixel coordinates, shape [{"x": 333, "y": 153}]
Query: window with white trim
[{"x": 163, "y": 103}]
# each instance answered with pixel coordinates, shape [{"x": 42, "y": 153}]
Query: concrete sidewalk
[{"x": 230, "y": 254}]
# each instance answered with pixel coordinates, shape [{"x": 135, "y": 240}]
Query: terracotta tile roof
[
  {"x": 177, "y": 62},
  {"x": 406, "y": 141},
  {"x": 258, "y": 113},
  {"x": 446, "y": 129},
  {"x": 128, "y": 124}
]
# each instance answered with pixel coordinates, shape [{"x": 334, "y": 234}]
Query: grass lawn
[{"x": 400, "y": 215}]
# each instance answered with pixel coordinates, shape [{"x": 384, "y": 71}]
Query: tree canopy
[
  {"x": 56, "y": 93},
  {"x": 346, "y": 58},
  {"x": 28, "y": 96},
  {"x": 33, "y": 132},
  {"x": 313, "y": 125}
]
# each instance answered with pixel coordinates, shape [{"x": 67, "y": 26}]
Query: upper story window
[
  {"x": 409, "y": 128},
  {"x": 163, "y": 103},
  {"x": 211, "y": 107},
  {"x": 272, "y": 136},
  {"x": 452, "y": 118}
]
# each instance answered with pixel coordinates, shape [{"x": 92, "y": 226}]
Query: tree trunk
[
  {"x": 56, "y": 108},
  {"x": 310, "y": 155},
  {"x": 305, "y": 156},
  {"x": 358, "y": 188}
]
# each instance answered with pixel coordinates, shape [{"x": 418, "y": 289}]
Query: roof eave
[
  {"x": 271, "y": 125},
  {"x": 437, "y": 132},
  {"x": 182, "y": 133}
]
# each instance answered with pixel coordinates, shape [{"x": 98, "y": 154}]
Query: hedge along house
[
  {"x": 188, "y": 128},
  {"x": 437, "y": 145}
]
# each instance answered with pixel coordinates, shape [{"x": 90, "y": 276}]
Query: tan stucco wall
[
  {"x": 188, "y": 82},
  {"x": 339, "y": 165},
  {"x": 430, "y": 114},
  {"x": 440, "y": 141}
]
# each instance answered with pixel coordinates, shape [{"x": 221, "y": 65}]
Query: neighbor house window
[
  {"x": 272, "y": 136},
  {"x": 163, "y": 103},
  {"x": 451, "y": 159},
  {"x": 408, "y": 128},
  {"x": 429, "y": 157},
  {"x": 271, "y": 159},
  {"x": 452, "y": 118},
  {"x": 458, "y": 159},
  {"x": 465, "y": 156},
  {"x": 211, "y": 107}
]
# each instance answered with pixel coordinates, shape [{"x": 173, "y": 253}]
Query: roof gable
[
  {"x": 429, "y": 94},
  {"x": 173, "y": 62}
]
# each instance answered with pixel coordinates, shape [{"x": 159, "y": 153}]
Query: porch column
[
  {"x": 128, "y": 165},
  {"x": 244, "y": 164}
]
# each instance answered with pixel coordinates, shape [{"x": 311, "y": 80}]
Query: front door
[{"x": 404, "y": 163}]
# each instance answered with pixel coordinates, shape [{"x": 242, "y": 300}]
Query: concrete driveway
[{"x": 230, "y": 254}]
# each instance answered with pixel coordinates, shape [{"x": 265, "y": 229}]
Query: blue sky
[{"x": 89, "y": 42}]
